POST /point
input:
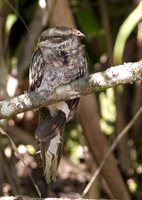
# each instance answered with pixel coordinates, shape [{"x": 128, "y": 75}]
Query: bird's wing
[
  {"x": 50, "y": 129},
  {"x": 49, "y": 69}
]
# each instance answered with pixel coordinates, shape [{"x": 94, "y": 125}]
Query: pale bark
[{"x": 121, "y": 74}]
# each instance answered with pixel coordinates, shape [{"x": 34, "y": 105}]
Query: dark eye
[{"x": 56, "y": 37}]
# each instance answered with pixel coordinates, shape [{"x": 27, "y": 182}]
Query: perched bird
[{"x": 59, "y": 59}]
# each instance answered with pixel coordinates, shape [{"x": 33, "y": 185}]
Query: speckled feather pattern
[
  {"x": 59, "y": 59},
  {"x": 51, "y": 68}
]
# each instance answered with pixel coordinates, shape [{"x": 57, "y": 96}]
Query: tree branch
[
  {"x": 111, "y": 149},
  {"x": 113, "y": 76}
]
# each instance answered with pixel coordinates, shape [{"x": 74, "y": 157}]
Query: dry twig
[{"x": 111, "y": 149}]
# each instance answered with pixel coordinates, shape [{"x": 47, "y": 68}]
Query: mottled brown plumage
[{"x": 59, "y": 59}]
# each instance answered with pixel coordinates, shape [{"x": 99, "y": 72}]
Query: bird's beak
[
  {"x": 78, "y": 33},
  {"x": 81, "y": 35}
]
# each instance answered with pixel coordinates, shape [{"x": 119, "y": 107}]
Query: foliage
[{"x": 115, "y": 107}]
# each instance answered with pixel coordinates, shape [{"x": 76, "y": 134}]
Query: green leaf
[
  {"x": 10, "y": 21},
  {"x": 125, "y": 30}
]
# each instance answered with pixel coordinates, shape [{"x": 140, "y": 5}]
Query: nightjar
[{"x": 59, "y": 59}]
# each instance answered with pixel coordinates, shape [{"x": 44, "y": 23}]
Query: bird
[{"x": 59, "y": 59}]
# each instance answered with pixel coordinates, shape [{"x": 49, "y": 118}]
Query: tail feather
[
  {"x": 50, "y": 126},
  {"x": 50, "y": 135},
  {"x": 51, "y": 153}
]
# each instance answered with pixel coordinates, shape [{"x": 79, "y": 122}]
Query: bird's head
[{"x": 61, "y": 38}]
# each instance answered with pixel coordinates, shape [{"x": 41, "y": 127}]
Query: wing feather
[{"x": 49, "y": 69}]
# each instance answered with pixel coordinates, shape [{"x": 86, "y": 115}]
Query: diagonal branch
[
  {"x": 113, "y": 76},
  {"x": 111, "y": 149}
]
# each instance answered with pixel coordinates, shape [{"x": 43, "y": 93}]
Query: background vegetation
[{"x": 113, "y": 32}]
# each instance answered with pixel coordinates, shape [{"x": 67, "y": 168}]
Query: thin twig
[
  {"x": 106, "y": 25},
  {"x": 19, "y": 155},
  {"x": 111, "y": 149},
  {"x": 22, "y": 20}
]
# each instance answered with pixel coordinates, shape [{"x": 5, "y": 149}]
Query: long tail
[
  {"x": 51, "y": 154},
  {"x": 50, "y": 134}
]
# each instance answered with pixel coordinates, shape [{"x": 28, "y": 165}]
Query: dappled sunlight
[{"x": 102, "y": 146}]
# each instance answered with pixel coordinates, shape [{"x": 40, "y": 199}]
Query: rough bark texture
[
  {"x": 29, "y": 198},
  {"x": 113, "y": 76}
]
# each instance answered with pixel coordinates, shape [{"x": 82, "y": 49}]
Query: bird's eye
[{"x": 56, "y": 37}]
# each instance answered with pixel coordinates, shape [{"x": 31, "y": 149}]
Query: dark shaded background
[{"x": 100, "y": 117}]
